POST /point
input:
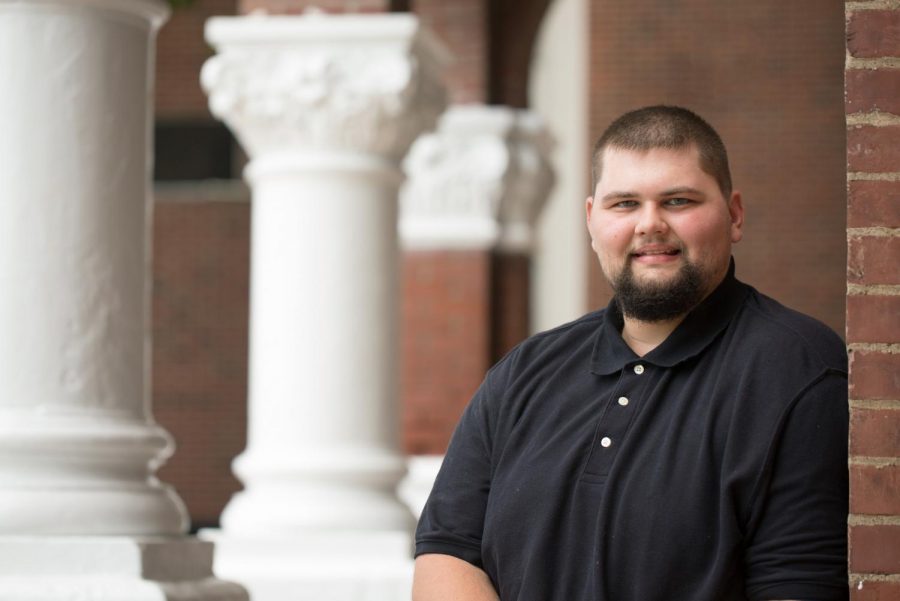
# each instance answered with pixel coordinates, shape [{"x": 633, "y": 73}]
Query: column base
[
  {"x": 420, "y": 476},
  {"x": 326, "y": 566},
  {"x": 114, "y": 568}
]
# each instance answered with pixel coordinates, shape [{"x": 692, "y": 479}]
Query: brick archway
[{"x": 514, "y": 27}]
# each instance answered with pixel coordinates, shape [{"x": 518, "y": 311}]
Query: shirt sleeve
[
  {"x": 798, "y": 547},
  {"x": 453, "y": 518}
]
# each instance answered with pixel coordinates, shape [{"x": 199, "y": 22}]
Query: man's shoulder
[
  {"x": 560, "y": 343},
  {"x": 784, "y": 331}
]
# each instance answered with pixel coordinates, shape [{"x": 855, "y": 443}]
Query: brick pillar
[
  {"x": 463, "y": 26},
  {"x": 873, "y": 296},
  {"x": 474, "y": 189}
]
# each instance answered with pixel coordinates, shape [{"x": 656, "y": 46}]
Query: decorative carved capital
[
  {"x": 529, "y": 184},
  {"x": 317, "y": 82},
  {"x": 479, "y": 181}
]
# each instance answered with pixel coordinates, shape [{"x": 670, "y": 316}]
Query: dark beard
[{"x": 658, "y": 302}]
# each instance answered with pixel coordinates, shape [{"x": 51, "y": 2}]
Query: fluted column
[
  {"x": 325, "y": 107},
  {"x": 475, "y": 187},
  {"x": 81, "y": 512}
]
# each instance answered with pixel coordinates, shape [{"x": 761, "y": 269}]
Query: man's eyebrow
[
  {"x": 681, "y": 190},
  {"x": 624, "y": 194},
  {"x": 620, "y": 195}
]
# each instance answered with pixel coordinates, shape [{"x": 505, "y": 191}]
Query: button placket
[{"x": 615, "y": 421}]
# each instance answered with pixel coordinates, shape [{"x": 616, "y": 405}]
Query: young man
[{"x": 688, "y": 442}]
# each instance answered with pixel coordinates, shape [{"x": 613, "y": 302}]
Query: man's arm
[
  {"x": 798, "y": 548},
  {"x": 446, "y": 578}
]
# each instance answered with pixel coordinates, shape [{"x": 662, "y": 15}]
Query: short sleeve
[
  {"x": 798, "y": 547},
  {"x": 452, "y": 521}
]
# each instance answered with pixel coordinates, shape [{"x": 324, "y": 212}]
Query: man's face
[{"x": 661, "y": 228}]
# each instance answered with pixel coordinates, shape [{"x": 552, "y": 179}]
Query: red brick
[
  {"x": 872, "y": 90},
  {"x": 513, "y": 29},
  {"x": 873, "y": 203},
  {"x": 445, "y": 342},
  {"x": 873, "y": 33},
  {"x": 875, "y": 549},
  {"x": 873, "y": 149},
  {"x": 875, "y": 432},
  {"x": 873, "y": 318},
  {"x": 201, "y": 257},
  {"x": 510, "y": 303},
  {"x": 875, "y": 490},
  {"x": 181, "y": 52},
  {"x": 462, "y": 26},
  {"x": 874, "y": 590},
  {"x": 873, "y": 260},
  {"x": 874, "y": 376}
]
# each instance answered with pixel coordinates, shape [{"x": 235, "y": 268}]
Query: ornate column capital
[
  {"x": 479, "y": 181},
  {"x": 296, "y": 85},
  {"x": 529, "y": 184}
]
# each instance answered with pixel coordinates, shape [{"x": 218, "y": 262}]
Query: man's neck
[{"x": 644, "y": 336}]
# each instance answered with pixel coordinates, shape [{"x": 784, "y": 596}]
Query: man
[{"x": 686, "y": 443}]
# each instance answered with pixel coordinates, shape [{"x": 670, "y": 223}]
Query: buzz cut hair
[{"x": 668, "y": 127}]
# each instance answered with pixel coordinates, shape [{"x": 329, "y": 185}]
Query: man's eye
[
  {"x": 678, "y": 202},
  {"x": 625, "y": 204}
]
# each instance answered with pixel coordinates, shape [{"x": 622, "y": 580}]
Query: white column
[
  {"x": 530, "y": 182},
  {"x": 477, "y": 183},
  {"x": 325, "y": 107},
  {"x": 81, "y": 513}
]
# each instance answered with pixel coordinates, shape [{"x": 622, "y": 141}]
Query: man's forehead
[
  {"x": 687, "y": 153},
  {"x": 661, "y": 166}
]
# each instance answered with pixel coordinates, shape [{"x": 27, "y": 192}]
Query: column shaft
[
  {"x": 322, "y": 445},
  {"x": 77, "y": 445}
]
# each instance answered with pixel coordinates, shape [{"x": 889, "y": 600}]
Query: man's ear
[
  {"x": 736, "y": 210},
  {"x": 588, "y": 208}
]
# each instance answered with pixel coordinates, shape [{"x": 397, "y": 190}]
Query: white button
[
  {"x": 638, "y": 369},
  {"x": 623, "y": 401},
  {"x": 605, "y": 441}
]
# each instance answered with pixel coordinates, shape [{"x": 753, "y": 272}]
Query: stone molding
[
  {"x": 316, "y": 82},
  {"x": 150, "y": 14},
  {"x": 478, "y": 182},
  {"x": 111, "y": 568}
]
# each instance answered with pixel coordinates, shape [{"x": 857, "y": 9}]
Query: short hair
[{"x": 670, "y": 127}]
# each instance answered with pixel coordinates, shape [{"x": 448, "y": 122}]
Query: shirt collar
[{"x": 695, "y": 333}]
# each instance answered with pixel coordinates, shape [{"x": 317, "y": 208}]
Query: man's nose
[{"x": 651, "y": 221}]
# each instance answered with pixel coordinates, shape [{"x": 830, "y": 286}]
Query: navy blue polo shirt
[{"x": 712, "y": 468}]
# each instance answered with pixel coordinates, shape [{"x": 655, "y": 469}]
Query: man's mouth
[{"x": 656, "y": 250}]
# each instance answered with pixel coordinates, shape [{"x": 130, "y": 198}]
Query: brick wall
[
  {"x": 445, "y": 342},
  {"x": 768, "y": 75},
  {"x": 873, "y": 295},
  {"x": 462, "y": 27},
  {"x": 180, "y": 52},
  {"x": 201, "y": 255},
  {"x": 513, "y": 28},
  {"x": 511, "y": 306}
]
